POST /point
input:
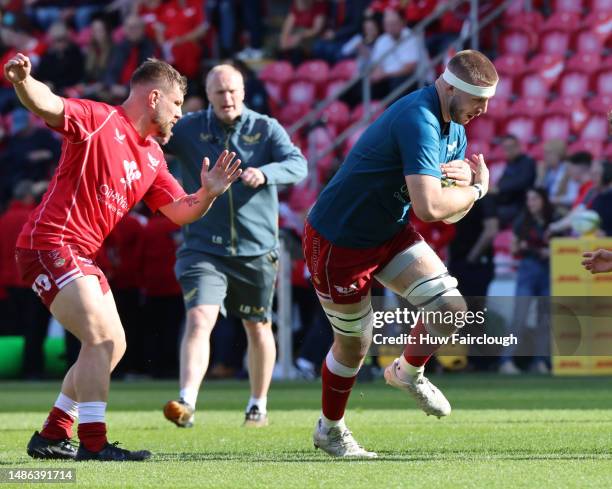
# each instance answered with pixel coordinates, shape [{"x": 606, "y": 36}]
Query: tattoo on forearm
[{"x": 191, "y": 200}]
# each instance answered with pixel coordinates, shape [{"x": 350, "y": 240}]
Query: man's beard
[
  {"x": 453, "y": 110},
  {"x": 164, "y": 129}
]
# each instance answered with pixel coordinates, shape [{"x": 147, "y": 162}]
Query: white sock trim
[
  {"x": 69, "y": 406},
  {"x": 92, "y": 412},
  {"x": 405, "y": 370},
  {"x": 189, "y": 395},
  {"x": 260, "y": 402},
  {"x": 327, "y": 424},
  {"x": 337, "y": 368}
]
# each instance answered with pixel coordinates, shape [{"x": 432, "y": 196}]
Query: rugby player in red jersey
[{"x": 110, "y": 160}]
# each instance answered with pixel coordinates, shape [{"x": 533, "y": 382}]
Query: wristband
[{"x": 479, "y": 192}]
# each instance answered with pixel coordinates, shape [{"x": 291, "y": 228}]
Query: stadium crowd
[{"x": 544, "y": 173}]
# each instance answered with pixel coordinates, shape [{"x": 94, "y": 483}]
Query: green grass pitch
[{"x": 503, "y": 433}]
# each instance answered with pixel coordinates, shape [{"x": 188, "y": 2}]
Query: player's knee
[
  {"x": 200, "y": 321},
  {"x": 258, "y": 333},
  {"x": 438, "y": 297},
  {"x": 352, "y": 324}
]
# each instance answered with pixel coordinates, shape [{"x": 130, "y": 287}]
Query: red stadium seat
[
  {"x": 496, "y": 170},
  {"x": 334, "y": 87},
  {"x": 522, "y": 127},
  {"x": 555, "y": 127},
  {"x": 603, "y": 83},
  {"x": 584, "y": 62},
  {"x": 562, "y": 21},
  {"x": 600, "y": 104},
  {"x": 568, "y": 6},
  {"x": 319, "y": 139},
  {"x": 563, "y": 105},
  {"x": 315, "y": 71},
  {"x": 528, "y": 106},
  {"x": 280, "y": 72},
  {"x": 343, "y": 70},
  {"x": 477, "y": 146},
  {"x": 548, "y": 66},
  {"x": 534, "y": 86},
  {"x": 523, "y": 20},
  {"x": 510, "y": 64},
  {"x": 497, "y": 108},
  {"x": 338, "y": 114},
  {"x": 554, "y": 42},
  {"x": 291, "y": 113},
  {"x": 601, "y": 6},
  {"x": 376, "y": 108},
  {"x": 588, "y": 41},
  {"x": 516, "y": 42},
  {"x": 593, "y": 147},
  {"x": 275, "y": 77},
  {"x": 352, "y": 139},
  {"x": 302, "y": 92},
  {"x": 596, "y": 128},
  {"x": 598, "y": 18},
  {"x": 504, "y": 88},
  {"x": 574, "y": 84},
  {"x": 482, "y": 128}
]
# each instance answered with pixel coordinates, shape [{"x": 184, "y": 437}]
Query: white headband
[{"x": 450, "y": 78}]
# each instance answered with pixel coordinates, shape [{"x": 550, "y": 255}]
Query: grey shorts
[{"x": 241, "y": 285}]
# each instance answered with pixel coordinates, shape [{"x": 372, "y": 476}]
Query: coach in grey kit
[{"x": 229, "y": 259}]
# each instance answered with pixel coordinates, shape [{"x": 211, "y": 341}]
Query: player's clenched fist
[{"x": 17, "y": 68}]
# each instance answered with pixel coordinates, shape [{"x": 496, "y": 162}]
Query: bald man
[{"x": 229, "y": 260}]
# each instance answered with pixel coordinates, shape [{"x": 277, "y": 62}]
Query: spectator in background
[
  {"x": 305, "y": 22},
  {"x": 530, "y": 244},
  {"x": 519, "y": 175},
  {"x": 15, "y": 36},
  {"x": 31, "y": 152},
  {"x": 163, "y": 305},
  {"x": 97, "y": 56},
  {"x": 180, "y": 27},
  {"x": 471, "y": 252},
  {"x": 252, "y": 18},
  {"x": 395, "y": 54},
  {"x": 62, "y": 66},
  {"x": 599, "y": 173},
  {"x": 127, "y": 55},
  {"x": 553, "y": 175},
  {"x": 361, "y": 44},
  {"x": 30, "y": 316},
  {"x": 602, "y": 204},
  {"x": 124, "y": 248},
  {"x": 580, "y": 174},
  {"x": 222, "y": 14},
  {"x": 344, "y": 21}
]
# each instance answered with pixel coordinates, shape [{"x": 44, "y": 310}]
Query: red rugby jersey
[{"x": 105, "y": 168}]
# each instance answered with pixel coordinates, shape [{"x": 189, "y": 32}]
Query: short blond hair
[
  {"x": 473, "y": 67},
  {"x": 155, "y": 70}
]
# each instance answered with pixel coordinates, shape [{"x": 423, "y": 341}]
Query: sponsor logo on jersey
[
  {"x": 153, "y": 162},
  {"x": 132, "y": 173},
  {"x": 119, "y": 137},
  {"x": 451, "y": 147}
]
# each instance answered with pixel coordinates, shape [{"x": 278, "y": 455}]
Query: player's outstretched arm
[
  {"x": 431, "y": 202},
  {"x": 34, "y": 95},
  {"x": 214, "y": 182},
  {"x": 599, "y": 261}
]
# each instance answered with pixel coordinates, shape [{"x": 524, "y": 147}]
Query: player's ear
[{"x": 153, "y": 98}]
